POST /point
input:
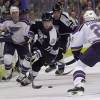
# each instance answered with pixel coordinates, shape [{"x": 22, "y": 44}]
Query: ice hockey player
[
  {"x": 65, "y": 25},
  {"x": 45, "y": 49},
  {"x": 16, "y": 36},
  {"x": 88, "y": 32}
]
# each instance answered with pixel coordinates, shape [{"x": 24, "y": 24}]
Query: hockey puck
[{"x": 50, "y": 86}]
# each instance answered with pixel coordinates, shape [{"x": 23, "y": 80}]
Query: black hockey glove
[{"x": 35, "y": 56}]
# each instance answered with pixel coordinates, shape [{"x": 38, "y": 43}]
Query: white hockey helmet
[
  {"x": 14, "y": 9},
  {"x": 90, "y": 15}
]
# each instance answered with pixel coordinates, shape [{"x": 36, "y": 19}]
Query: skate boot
[
  {"x": 8, "y": 75},
  {"x": 50, "y": 68},
  {"x": 78, "y": 90},
  {"x": 59, "y": 71},
  {"x": 28, "y": 79},
  {"x": 61, "y": 68},
  {"x": 20, "y": 78}
]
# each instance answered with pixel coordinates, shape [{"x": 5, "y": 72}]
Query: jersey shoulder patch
[{"x": 53, "y": 37}]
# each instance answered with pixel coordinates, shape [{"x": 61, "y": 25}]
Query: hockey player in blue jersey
[{"x": 88, "y": 32}]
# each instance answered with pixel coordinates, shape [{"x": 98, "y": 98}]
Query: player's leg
[
  {"x": 24, "y": 60},
  {"x": 64, "y": 44},
  {"x": 50, "y": 68},
  {"x": 89, "y": 58},
  {"x": 60, "y": 65},
  {"x": 8, "y": 59},
  {"x": 36, "y": 67},
  {"x": 31, "y": 74}
]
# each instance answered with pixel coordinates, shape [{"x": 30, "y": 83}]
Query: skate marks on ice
[{"x": 60, "y": 84}]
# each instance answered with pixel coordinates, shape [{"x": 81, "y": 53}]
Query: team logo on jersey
[
  {"x": 41, "y": 36},
  {"x": 52, "y": 42},
  {"x": 14, "y": 29}
]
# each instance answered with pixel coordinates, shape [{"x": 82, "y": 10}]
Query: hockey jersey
[
  {"x": 47, "y": 39},
  {"x": 65, "y": 25},
  {"x": 18, "y": 30},
  {"x": 88, "y": 32}
]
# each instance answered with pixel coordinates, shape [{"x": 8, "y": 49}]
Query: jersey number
[{"x": 96, "y": 29}]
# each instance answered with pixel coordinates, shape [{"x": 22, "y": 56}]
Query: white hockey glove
[{"x": 35, "y": 56}]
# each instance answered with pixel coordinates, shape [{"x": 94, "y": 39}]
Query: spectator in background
[
  {"x": 89, "y": 5},
  {"x": 35, "y": 4},
  {"x": 98, "y": 12},
  {"x": 24, "y": 5},
  {"x": 63, "y": 4},
  {"x": 2, "y": 7},
  {"x": 61, "y": 1},
  {"x": 74, "y": 16},
  {"x": 2, "y": 10}
]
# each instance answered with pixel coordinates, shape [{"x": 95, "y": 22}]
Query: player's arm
[
  {"x": 33, "y": 31},
  {"x": 77, "y": 44},
  {"x": 29, "y": 32},
  {"x": 72, "y": 23},
  {"x": 3, "y": 27}
]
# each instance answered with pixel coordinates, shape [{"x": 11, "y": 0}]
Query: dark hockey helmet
[
  {"x": 57, "y": 7},
  {"x": 46, "y": 17}
]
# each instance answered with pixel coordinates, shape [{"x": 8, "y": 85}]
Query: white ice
[{"x": 13, "y": 91}]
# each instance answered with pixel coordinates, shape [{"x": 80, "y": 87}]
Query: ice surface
[{"x": 13, "y": 91}]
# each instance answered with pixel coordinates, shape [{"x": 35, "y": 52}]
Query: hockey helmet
[
  {"x": 89, "y": 15},
  {"x": 14, "y": 9},
  {"x": 57, "y": 7},
  {"x": 46, "y": 17}
]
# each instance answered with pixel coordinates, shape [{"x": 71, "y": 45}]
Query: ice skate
[
  {"x": 28, "y": 79},
  {"x": 77, "y": 90},
  {"x": 8, "y": 75},
  {"x": 59, "y": 71},
  {"x": 20, "y": 78},
  {"x": 50, "y": 68}
]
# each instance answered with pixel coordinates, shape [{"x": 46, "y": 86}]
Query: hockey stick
[
  {"x": 33, "y": 85},
  {"x": 65, "y": 73},
  {"x": 70, "y": 62}
]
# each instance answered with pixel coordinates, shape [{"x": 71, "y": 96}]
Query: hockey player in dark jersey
[
  {"x": 89, "y": 32},
  {"x": 45, "y": 48},
  {"x": 65, "y": 25},
  {"x": 15, "y": 38}
]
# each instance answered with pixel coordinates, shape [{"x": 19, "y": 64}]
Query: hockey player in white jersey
[
  {"x": 88, "y": 32},
  {"x": 15, "y": 38}
]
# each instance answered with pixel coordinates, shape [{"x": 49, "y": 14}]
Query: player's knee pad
[
  {"x": 25, "y": 66},
  {"x": 8, "y": 61},
  {"x": 26, "y": 63}
]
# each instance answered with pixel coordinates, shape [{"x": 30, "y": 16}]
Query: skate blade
[
  {"x": 36, "y": 86},
  {"x": 80, "y": 93}
]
